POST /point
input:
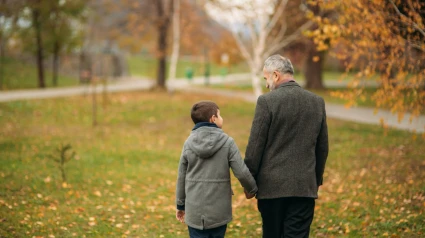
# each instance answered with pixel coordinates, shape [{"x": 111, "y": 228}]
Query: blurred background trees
[
  {"x": 56, "y": 42},
  {"x": 42, "y": 29}
]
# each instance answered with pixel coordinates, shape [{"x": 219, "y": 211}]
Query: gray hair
[{"x": 278, "y": 63}]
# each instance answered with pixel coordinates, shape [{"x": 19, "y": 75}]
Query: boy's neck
[{"x": 201, "y": 124}]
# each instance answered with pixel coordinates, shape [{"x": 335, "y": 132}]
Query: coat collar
[
  {"x": 201, "y": 124},
  {"x": 290, "y": 83}
]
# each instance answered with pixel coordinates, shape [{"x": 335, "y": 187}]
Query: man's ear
[{"x": 276, "y": 73}]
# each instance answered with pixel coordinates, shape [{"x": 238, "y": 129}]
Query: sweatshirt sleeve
[
  {"x": 322, "y": 149},
  {"x": 258, "y": 136},
  {"x": 181, "y": 178},
  {"x": 240, "y": 170}
]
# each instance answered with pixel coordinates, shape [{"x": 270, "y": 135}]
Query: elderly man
[{"x": 287, "y": 151}]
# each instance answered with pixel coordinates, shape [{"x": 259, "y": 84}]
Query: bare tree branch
[
  {"x": 254, "y": 36},
  {"x": 280, "y": 34},
  {"x": 276, "y": 16},
  {"x": 242, "y": 47},
  {"x": 289, "y": 39}
]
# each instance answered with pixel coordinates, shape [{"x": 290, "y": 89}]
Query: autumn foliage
[{"x": 382, "y": 40}]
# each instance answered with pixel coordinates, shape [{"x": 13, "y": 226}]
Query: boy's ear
[{"x": 212, "y": 119}]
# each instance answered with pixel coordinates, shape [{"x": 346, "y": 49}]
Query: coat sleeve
[
  {"x": 240, "y": 170},
  {"x": 258, "y": 136},
  {"x": 322, "y": 149},
  {"x": 181, "y": 178}
]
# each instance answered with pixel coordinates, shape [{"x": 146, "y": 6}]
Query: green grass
[
  {"x": 146, "y": 66},
  {"x": 325, "y": 93},
  {"x": 19, "y": 75},
  {"x": 328, "y": 75},
  {"x": 122, "y": 181},
  {"x": 367, "y": 93}
]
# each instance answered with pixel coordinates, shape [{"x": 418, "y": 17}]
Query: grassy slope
[
  {"x": 326, "y": 94},
  {"x": 143, "y": 66},
  {"x": 123, "y": 179},
  {"x": 19, "y": 75}
]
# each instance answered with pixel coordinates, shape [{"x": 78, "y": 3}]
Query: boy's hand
[
  {"x": 248, "y": 195},
  {"x": 180, "y": 215}
]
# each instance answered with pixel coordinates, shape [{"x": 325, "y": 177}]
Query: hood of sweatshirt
[{"x": 206, "y": 141}]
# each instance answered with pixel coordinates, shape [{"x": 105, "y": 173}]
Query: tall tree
[
  {"x": 176, "y": 39},
  {"x": 253, "y": 23},
  {"x": 62, "y": 35},
  {"x": 37, "y": 21},
  {"x": 384, "y": 40},
  {"x": 164, "y": 10},
  {"x": 8, "y": 22},
  {"x": 132, "y": 27},
  {"x": 313, "y": 69}
]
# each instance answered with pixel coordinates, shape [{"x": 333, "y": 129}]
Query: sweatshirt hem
[{"x": 210, "y": 226}]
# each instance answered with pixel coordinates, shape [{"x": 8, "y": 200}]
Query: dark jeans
[
  {"x": 286, "y": 217},
  {"x": 217, "y": 232}
]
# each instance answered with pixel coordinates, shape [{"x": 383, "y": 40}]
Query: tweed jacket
[
  {"x": 288, "y": 144},
  {"x": 203, "y": 185}
]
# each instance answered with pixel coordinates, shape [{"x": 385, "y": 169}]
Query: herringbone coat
[{"x": 288, "y": 144}]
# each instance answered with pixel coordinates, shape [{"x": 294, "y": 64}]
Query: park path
[{"x": 356, "y": 114}]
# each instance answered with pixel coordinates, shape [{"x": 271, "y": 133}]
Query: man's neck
[{"x": 285, "y": 78}]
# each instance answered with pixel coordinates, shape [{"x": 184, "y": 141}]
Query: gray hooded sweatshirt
[{"x": 203, "y": 185}]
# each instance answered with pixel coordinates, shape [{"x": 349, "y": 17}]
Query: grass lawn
[
  {"x": 122, "y": 181},
  {"x": 19, "y": 75},
  {"x": 145, "y": 66},
  {"x": 326, "y": 93}
]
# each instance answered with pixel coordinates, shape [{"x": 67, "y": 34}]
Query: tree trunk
[
  {"x": 116, "y": 66},
  {"x": 81, "y": 72},
  {"x": 1, "y": 63},
  {"x": 176, "y": 39},
  {"x": 39, "y": 54},
  {"x": 94, "y": 103},
  {"x": 55, "y": 63},
  {"x": 163, "y": 24},
  {"x": 256, "y": 85},
  {"x": 314, "y": 67},
  {"x": 63, "y": 174},
  {"x": 256, "y": 73},
  {"x": 162, "y": 45}
]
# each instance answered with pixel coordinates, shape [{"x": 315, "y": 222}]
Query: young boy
[{"x": 204, "y": 193}]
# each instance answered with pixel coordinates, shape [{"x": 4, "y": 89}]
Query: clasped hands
[{"x": 248, "y": 195}]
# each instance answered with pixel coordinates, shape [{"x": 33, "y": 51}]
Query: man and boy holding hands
[{"x": 283, "y": 167}]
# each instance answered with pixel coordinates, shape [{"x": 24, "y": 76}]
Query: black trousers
[
  {"x": 217, "y": 232},
  {"x": 286, "y": 217}
]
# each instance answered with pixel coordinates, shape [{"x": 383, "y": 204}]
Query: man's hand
[
  {"x": 180, "y": 215},
  {"x": 248, "y": 195}
]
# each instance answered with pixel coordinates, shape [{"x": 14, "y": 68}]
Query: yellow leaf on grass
[
  {"x": 92, "y": 223},
  {"x": 47, "y": 179}
]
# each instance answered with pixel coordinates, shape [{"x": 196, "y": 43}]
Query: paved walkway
[{"x": 356, "y": 114}]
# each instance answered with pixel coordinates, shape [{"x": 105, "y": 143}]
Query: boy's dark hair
[{"x": 202, "y": 111}]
